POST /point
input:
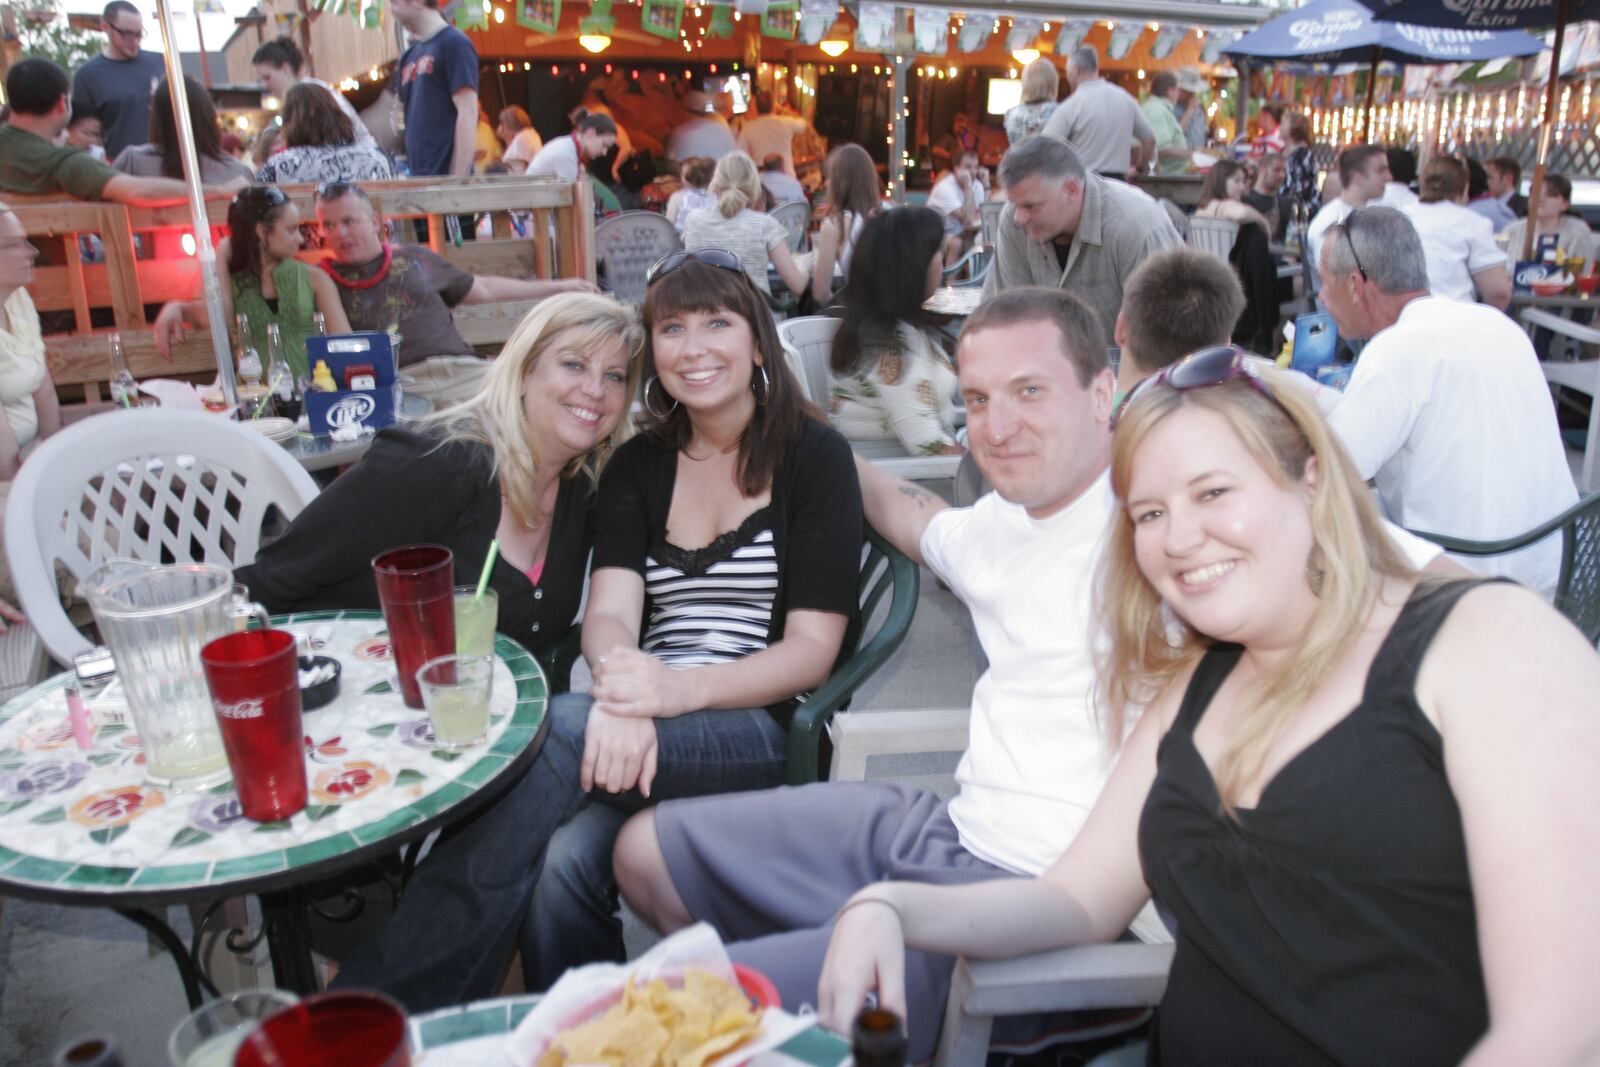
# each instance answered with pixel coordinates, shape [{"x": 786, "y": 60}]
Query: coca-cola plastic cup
[{"x": 255, "y": 690}]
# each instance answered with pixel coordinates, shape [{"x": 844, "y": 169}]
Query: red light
[
  {"x": 554, "y": 70},
  {"x": 635, "y": 75},
  {"x": 713, "y": 68},
  {"x": 583, "y": 68},
  {"x": 608, "y": 68},
  {"x": 686, "y": 74},
  {"x": 663, "y": 76}
]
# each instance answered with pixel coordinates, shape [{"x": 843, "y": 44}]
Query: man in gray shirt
[
  {"x": 1068, "y": 228},
  {"x": 115, "y": 85},
  {"x": 1100, "y": 121}
]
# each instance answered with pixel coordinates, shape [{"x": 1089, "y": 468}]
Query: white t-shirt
[
  {"x": 1397, "y": 195},
  {"x": 1448, "y": 412},
  {"x": 946, "y": 196},
  {"x": 558, "y": 159},
  {"x": 1457, "y": 244},
  {"x": 762, "y": 137},
  {"x": 524, "y": 146},
  {"x": 1332, "y": 213}
]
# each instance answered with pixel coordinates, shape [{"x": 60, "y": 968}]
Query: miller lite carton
[{"x": 375, "y": 400}]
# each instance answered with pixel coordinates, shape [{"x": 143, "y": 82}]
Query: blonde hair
[
  {"x": 494, "y": 416},
  {"x": 1041, "y": 82},
  {"x": 1351, "y": 557},
  {"x": 736, "y": 183}
]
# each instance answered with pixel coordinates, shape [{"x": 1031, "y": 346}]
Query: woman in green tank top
[{"x": 264, "y": 281}]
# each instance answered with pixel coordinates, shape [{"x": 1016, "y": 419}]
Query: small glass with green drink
[{"x": 476, "y": 620}]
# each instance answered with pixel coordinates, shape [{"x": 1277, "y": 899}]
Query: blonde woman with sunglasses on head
[{"x": 1366, "y": 796}]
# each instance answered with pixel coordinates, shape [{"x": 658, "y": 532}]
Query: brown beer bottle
[{"x": 878, "y": 1039}]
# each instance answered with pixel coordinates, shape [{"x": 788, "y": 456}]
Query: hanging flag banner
[
  {"x": 815, "y": 18},
  {"x": 780, "y": 20},
  {"x": 974, "y": 32},
  {"x": 931, "y": 30},
  {"x": 541, "y": 15},
  {"x": 1023, "y": 33},
  {"x": 1216, "y": 41},
  {"x": 1167, "y": 38},
  {"x": 1122, "y": 39},
  {"x": 372, "y": 17},
  {"x": 1073, "y": 31},
  {"x": 662, "y": 17},
  {"x": 469, "y": 15},
  {"x": 721, "y": 24},
  {"x": 286, "y": 23},
  {"x": 207, "y": 7},
  {"x": 875, "y": 27}
]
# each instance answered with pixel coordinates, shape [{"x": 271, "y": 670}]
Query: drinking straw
[{"x": 488, "y": 565}]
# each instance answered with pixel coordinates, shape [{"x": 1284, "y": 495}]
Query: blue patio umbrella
[
  {"x": 1342, "y": 31},
  {"x": 1496, "y": 15}
]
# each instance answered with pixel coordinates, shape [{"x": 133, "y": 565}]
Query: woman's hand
[
  {"x": 9, "y": 614},
  {"x": 618, "y": 753},
  {"x": 634, "y": 684},
  {"x": 866, "y": 952}
]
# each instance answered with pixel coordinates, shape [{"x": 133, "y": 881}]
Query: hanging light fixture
[
  {"x": 837, "y": 40},
  {"x": 1025, "y": 55},
  {"x": 594, "y": 32},
  {"x": 594, "y": 42}
]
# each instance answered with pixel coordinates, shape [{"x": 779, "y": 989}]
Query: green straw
[{"x": 488, "y": 565}]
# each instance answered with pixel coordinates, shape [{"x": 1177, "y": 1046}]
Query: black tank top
[{"x": 1333, "y": 922}]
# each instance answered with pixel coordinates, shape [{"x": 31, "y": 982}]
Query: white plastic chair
[
  {"x": 796, "y": 218},
  {"x": 807, "y": 342},
  {"x": 989, "y": 213},
  {"x": 1216, "y": 236},
  {"x": 1582, "y": 375},
  {"x": 627, "y": 244},
  {"x": 159, "y": 486}
]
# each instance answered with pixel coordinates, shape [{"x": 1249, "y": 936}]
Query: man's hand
[
  {"x": 634, "y": 684},
  {"x": 9, "y": 614},
  {"x": 618, "y": 753},
  {"x": 170, "y": 326}
]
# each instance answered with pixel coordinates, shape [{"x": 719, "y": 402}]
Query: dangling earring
[
  {"x": 1314, "y": 571},
  {"x": 653, "y": 411},
  {"x": 765, "y": 392}
]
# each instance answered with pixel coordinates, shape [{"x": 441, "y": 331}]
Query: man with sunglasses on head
[
  {"x": 1447, "y": 413},
  {"x": 411, "y": 289},
  {"x": 115, "y": 86}
]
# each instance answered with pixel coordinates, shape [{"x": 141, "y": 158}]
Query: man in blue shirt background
[{"x": 437, "y": 82}]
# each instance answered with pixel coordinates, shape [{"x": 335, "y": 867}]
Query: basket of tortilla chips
[{"x": 682, "y": 1005}]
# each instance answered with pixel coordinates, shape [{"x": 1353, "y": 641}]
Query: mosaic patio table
[{"x": 83, "y": 828}]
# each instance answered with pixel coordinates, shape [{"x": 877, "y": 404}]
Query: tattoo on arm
[{"x": 920, "y": 496}]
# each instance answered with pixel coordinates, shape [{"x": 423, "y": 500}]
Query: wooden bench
[{"x": 559, "y": 243}]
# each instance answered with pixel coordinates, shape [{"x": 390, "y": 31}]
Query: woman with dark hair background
[
  {"x": 891, "y": 379},
  {"x": 162, "y": 158},
  {"x": 263, "y": 279},
  {"x": 322, "y": 144}
]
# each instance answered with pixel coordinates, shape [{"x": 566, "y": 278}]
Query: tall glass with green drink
[{"x": 476, "y": 620}]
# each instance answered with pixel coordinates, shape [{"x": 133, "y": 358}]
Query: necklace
[{"x": 362, "y": 283}]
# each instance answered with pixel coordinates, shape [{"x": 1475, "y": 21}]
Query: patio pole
[
  {"x": 1545, "y": 129},
  {"x": 898, "y": 103},
  {"x": 1372, "y": 83},
  {"x": 205, "y": 252}
]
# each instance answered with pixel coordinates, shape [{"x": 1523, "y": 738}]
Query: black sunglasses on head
[
  {"x": 1200, "y": 370},
  {"x": 711, "y": 257}
]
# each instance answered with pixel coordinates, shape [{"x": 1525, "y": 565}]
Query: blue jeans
[{"x": 547, "y": 844}]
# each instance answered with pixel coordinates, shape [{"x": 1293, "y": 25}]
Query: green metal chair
[
  {"x": 1578, "y": 588},
  {"x": 884, "y": 572}
]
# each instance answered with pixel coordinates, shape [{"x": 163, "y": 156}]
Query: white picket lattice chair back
[
  {"x": 807, "y": 343},
  {"x": 1216, "y": 236},
  {"x": 627, "y": 244},
  {"x": 796, "y": 218},
  {"x": 159, "y": 486},
  {"x": 989, "y": 216}
]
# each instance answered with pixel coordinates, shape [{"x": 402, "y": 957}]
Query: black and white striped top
[{"x": 712, "y": 604}]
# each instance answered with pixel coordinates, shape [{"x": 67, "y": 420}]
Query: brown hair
[
  {"x": 1354, "y": 159},
  {"x": 1176, "y": 302},
  {"x": 312, "y": 117},
  {"x": 852, "y": 183},
  {"x": 697, "y": 171},
  {"x": 1083, "y": 335},
  {"x": 1444, "y": 178},
  {"x": 781, "y": 406},
  {"x": 1215, "y": 186}
]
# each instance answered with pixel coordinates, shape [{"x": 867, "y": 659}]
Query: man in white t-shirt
[
  {"x": 768, "y": 133},
  {"x": 564, "y": 157},
  {"x": 958, "y": 196},
  {"x": 1363, "y": 175},
  {"x": 1464, "y": 263},
  {"x": 1447, "y": 413}
]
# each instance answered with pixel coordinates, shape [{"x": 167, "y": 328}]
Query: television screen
[
  {"x": 1004, "y": 94},
  {"x": 736, "y": 85}
]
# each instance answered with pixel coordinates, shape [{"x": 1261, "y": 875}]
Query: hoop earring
[
  {"x": 765, "y": 392},
  {"x": 646, "y": 398}
]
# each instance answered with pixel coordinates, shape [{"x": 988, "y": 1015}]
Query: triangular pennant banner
[
  {"x": 875, "y": 27},
  {"x": 1216, "y": 41},
  {"x": 1023, "y": 33},
  {"x": 1122, "y": 39},
  {"x": 372, "y": 17},
  {"x": 974, "y": 32},
  {"x": 815, "y": 18},
  {"x": 1167, "y": 39},
  {"x": 721, "y": 25},
  {"x": 931, "y": 30},
  {"x": 1071, "y": 35}
]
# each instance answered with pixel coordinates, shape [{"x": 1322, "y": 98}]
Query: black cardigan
[
  {"x": 408, "y": 489},
  {"x": 816, "y": 506}
]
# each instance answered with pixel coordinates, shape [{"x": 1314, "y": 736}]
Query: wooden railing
[{"x": 145, "y": 264}]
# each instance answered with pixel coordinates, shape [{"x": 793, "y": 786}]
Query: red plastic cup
[
  {"x": 416, "y": 586},
  {"x": 354, "y": 1029},
  {"x": 255, "y": 690}
]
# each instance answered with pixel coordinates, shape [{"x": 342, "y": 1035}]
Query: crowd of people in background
[{"x": 1203, "y": 630}]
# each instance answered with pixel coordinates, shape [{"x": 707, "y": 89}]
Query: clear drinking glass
[
  {"x": 155, "y": 619},
  {"x": 210, "y": 1036},
  {"x": 456, "y": 691},
  {"x": 476, "y": 619}
]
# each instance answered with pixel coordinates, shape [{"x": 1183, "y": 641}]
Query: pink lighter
[{"x": 78, "y": 717}]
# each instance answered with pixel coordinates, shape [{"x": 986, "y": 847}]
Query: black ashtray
[{"x": 324, "y": 688}]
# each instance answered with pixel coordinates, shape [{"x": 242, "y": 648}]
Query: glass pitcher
[{"x": 155, "y": 619}]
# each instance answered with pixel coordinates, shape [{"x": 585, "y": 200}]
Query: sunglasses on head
[
  {"x": 274, "y": 196},
  {"x": 1200, "y": 370},
  {"x": 335, "y": 189},
  {"x": 711, "y": 257},
  {"x": 1348, "y": 226}
]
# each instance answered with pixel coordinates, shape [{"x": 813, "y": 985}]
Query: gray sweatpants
[{"x": 769, "y": 870}]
